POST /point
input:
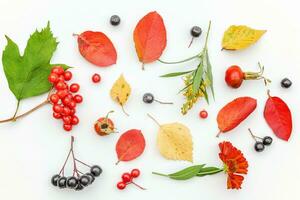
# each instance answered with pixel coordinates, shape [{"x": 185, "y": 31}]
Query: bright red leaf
[
  {"x": 278, "y": 117},
  {"x": 97, "y": 48},
  {"x": 232, "y": 114},
  {"x": 130, "y": 145},
  {"x": 150, "y": 37}
]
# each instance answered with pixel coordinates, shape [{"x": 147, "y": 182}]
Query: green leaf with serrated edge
[
  {"x": 208, "y": 171},
  {"x": 209, "y": 73},
  {"x": 27, "y": 74},
  {"x": 186, "y": 173},
  {"x": 174, "y": 74},
  {"x": 197, "y": 78}
]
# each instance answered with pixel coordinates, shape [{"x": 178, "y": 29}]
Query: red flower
[{"x": 234, "y": 164}]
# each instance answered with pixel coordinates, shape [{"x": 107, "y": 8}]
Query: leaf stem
[
  {"x": 17, "y": 109},
  {"x": 181, "y": 61},
  {"x": 151, "y": 117},
  {"x": 160, "y": 174}
]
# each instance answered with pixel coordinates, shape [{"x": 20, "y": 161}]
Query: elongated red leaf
[
  {"x": 278, "y": 117},
  {"x": 232, "y": 114},
  {"x": 130, "y": 145},
  {"x": 150, "y": 37},
  {"x": 97, "y": 48}
]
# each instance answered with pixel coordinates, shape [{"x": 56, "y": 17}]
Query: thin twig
[{"x": 151, "y": 117}]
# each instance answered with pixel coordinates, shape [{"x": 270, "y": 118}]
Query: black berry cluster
[
  {"x": 78, "y": 180},
  {"x": 260, "y": 143}
]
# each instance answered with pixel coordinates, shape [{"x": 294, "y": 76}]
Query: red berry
[
  {"x": 58, "y": 70},
  {"x": 67, "y": 119},
  {"x": 77, "y": 98},
  {"x": 66, "y": 101},
  {"x": 62, "y": 93},
  {"x": 126, "y": 177},
  {"x": 68, "y": 75},
  {"x": 74, "y": 87},
  {"x": 135, "y": 173},
  {"x": 60, "y": 85},
  {"x": 234, "y": 76},
  {"x": 54, "y": 98},
  {"x": 121, "y": 185},
  {"x": 57, "y": 108},
  {"x": 96, "y": 78},
  {"x": 61, "y": 78},
  {"x": 53, "y": 78},
  {"x": 72, "y": 111},
  {"x": 74, "y": 120},
  {"x": 65, "y": 111},
  {"x": 72, "y": 104},
  {"x": 67, "y": 127},
  {"x": 203, "y": 114},
  {"x": 56, "y": 115}
]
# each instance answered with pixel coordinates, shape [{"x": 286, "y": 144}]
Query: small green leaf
[
  {"x": 209, "y": 171},
  {"x": 197, "y": 78},
  {"x": 184, "y": 174},
  {"x": 175, "y": 74},
  {"x": 209, "y": 73},
  {"x": 205, "y": 95}
]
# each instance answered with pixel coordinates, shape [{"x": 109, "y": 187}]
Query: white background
[{"x": 34, "y": 148}]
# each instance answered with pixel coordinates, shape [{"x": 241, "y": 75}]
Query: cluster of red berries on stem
[
  {"x": 127, "y": 178},
  {"x": 64, "y": 100}
]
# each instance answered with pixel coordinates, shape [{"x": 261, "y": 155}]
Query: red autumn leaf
[
  {"x": 97, "y": 48},
  {"x": 150, "y": 37},
  {"x": 278, "y": 117},
  {"x": 232, "y": 114},
  {"x": 130, "y": 145}
]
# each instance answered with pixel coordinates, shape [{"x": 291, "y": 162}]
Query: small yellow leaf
[
  {"x": 175, "y": 142},
  {"x": 120, "y": 91},
  {"x": 240, "y": 37}
]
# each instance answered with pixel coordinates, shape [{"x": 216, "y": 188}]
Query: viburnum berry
[
  {"x": 121, "y": 185},
  {"x": 74, "y": 120},
  {"x": 61, "y": 78},
  {"x": 57, "y": 115},
  {"x": 53, "y": 78},
  {"x": 67, "y": 119},
  {"x": 203, "y": 114},
  {"x": 60, "y": 85},
  {"x": 77, "y": 98},
  {"x": 66, "y": 101},
  {"x": 68, "y": 75},
  {"x": 72, "y": 111},
  {"x": 58, "y": 70},
  {"x": 62, "y": 93},
  {"x": 67, "y": 127},
  {"x": 74, "y": 87},
  {"x": 57, "y": 108},
  {"x": 72, "y": 104},
  {"x": 126, "y": 177},
  {"x": 96, "y": 78},
  {"x": 54, "y": 98},
  {"x": 135, "y": 173},
  {"x": 65, "y": 111}
]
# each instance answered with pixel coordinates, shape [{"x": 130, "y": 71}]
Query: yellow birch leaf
[
  {"x": 240, "y": 37},
  {"x": 120, "y": 91},
  {"x": 175, "y": 142}
]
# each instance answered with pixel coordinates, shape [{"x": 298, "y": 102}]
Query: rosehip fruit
[
  {"x": 234, "y": 76},
  {"x": 104, "y": 125}
]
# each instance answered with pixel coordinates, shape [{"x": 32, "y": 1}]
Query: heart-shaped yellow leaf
[{"x": 240, "y": 37}]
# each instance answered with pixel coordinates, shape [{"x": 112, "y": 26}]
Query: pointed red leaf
[
  {"x": 97, "y": 48},
  {"x": 130, "y": 145},
  {"x": 150, "y": 37},
  {"x": 232, "y": 114},
  {"x": 278, "y": 117}
]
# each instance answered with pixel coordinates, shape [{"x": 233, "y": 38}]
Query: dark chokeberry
[
  {"x": 196, "y": 31},
  {"x": 267, "y": 140},
  {"x": 96, "y": 170},
  {"x": 115, "y": 20},
  {"x": 54, "y": 179},
  {"x": 286, "y": 83},
  {"x": 259, "y": 146},
  {"x": 91, "y": 176},
  {"x": 62, "y": 182},
  {"x": 72, "y": 182},
  {"x": 85, "y": 180},
  {"x": 79, "y": 187},
  {"x": 148, "y": 98}
]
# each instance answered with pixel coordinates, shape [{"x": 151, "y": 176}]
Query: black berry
[
  {"x": 286, "y": 83},
  {"x": 54, "y": 179},
  {"x": 96, "y": 170},
  {"x": 267, "y": 140},
  {"x": 79, "y": 187},
  {"x": 148, "y": 98},
  {"x": 259, "y": 146},
  {"x": 72, "y": 182},
  {"x": 62, "y": 182},
  {"x": 115, "y": 20},
  {"x": 91, "y": 176},
  {"x": 196, "y": 31},
  {"x": 84, "y": 180}
]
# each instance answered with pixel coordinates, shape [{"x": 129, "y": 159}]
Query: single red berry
[
  {"x": 203, "y": 114},
  {"x": 72, "y": 104},
  {"x": 74, "y": 87},
  {"x": 57, "y": 108},
  {"x": 126, "y": 177},
  {"x": 96, "y": 78},
  {"x": 135, "y": 173},
  {"x": 67, "y": 119},
  {"x": 57, "y": 115},
  {"x": 53, "y": 78},
  {"x": 60, "y": 85},
  {"x": 62, "y": 93},
  {"x": 75, "y": 120},
  {"x": 65, "y": 111},
  {"x": 58, "y": 70},
  {"x": 67, "y": 127},
  {"x": 61, "y": 78},
  {"x": 68, "y": 75},
  {"x": 66, "y": 101},
  {"x": 72, "y": 111},
  {"x": 78, "y": 98},
  {"x": 121, "y": 185},
  {"x": 234, "y": 76},
  {"x": 54, "y": 98}
]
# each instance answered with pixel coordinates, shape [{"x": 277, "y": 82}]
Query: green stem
[
  {"x": 160, "y": 174},
  {"x": 181, "y": 61},
  {"x": 210, "y": 172},
  {"x": 207, "y": 34},
  {"x": 17, "y": 109}
]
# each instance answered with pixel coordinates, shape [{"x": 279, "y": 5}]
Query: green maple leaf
[{"x": 27, "y": 74}]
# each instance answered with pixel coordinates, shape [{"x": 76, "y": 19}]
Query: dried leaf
[
  {"x": 120, "y": 91},
  {"x": 150, "y": 37},
  {"x": 130, "y": 145},
  {"x": 240, "y": 37},
  {"x": 97, "y": 48}
]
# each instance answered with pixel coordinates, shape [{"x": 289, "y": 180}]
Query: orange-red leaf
[
  {"x": 130, "y": 145},
  {"x": 278, "y": 117},
  {"x": 232, "y": 114},
  {"x": 97, "y": 48},
  {"x": 150, "y": 37}
]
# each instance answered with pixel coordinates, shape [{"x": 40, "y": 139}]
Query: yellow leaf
[
  {"x": 175, "y": 142},
  {"x": 240, "y": 37},
  {"x": 120, "y": 91}
]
